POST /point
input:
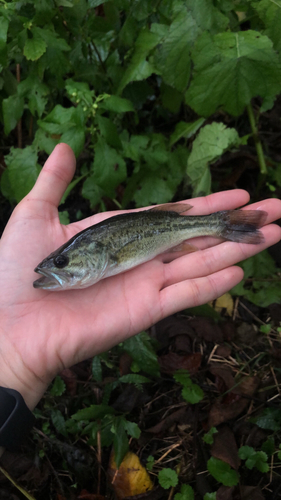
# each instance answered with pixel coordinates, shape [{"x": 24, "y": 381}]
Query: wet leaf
[
  {"x": 225, "y": 448},
  {"x": 131, "y": 478}
]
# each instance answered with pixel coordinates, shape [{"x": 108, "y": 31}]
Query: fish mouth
[{"x": 48, "y": 280}]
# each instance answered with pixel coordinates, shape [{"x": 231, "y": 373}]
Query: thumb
[{"x": 54, "y": 176}]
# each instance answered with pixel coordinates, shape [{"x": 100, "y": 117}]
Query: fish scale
[{"x": 122, "y": 242}]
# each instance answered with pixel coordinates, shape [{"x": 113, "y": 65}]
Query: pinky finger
[{"x": 195, "y": 292}]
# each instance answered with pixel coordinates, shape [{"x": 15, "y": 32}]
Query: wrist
[{"x": 22, "y": 380}]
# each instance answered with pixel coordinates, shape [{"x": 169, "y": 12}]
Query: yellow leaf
[
  {"x": 131, "y": 478},
  {"x": 225, "y": 302}
]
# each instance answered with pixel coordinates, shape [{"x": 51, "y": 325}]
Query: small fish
[{"x": 124, "y": 241}]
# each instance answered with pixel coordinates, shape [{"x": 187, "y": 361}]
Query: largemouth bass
[{"x": 124, "y": 241}]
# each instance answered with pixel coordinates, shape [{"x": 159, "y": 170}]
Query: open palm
[{"x": 43, "y": 331}]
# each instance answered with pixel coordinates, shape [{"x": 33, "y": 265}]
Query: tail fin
[{"x": 242, "y": 225}]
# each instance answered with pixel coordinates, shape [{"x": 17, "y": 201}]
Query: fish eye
[{"x": 61, "y": 261}]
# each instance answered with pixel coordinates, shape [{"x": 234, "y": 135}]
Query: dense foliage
[
  {"x": 151, "y": 95},
  {"x": 147, "y": 93}
]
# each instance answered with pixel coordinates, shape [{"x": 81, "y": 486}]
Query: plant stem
[{"x": 258, "y": 144}]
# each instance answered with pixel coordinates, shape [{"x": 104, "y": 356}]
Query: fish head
[{"x": 72, "y": 266}]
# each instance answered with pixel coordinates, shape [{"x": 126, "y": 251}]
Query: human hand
[{"x": 42, "y": 331}]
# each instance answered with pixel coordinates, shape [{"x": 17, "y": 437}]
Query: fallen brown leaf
[
  {"x": 170, "y": 363},
  {"x": 224, "y": 447}
]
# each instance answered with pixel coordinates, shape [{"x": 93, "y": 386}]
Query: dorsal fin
[{"x": 179, "y": 208}]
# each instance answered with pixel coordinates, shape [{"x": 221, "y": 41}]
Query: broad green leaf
[
  {"x": 212, "y": 141},
  {"x": 186, "y": 493},
  {"x": 44, "y": 142},
  {"x": 51, "y": 39},
  {"x": 4, "y": 25},
  {"x": 93, "y": 412},
  {"x": 108, "y": 130},
  {"x": 172, "y": 58},
  {"x": 117, "y": 104},
  {"x": 35, "y": 91},
  {"x": 12, "y": 112},
  {"x": 186, "y": 130},
  {"x": 21, "y": 173},
  {"x": 193, "y": 394},
  {"x": 230, "y": 69},
  {"x": 168, "y": 478},
  {"x": 67, "y": 124},
  {"x": 132, "y": 429},
  {"x": 270, "y": 419},
  {"x": 254, "y": 458},
  {"x": 91, "y": 191},
  {"x": 139, "y": 68},
  {"x": 58, "y": 387},
  {"x": 152, "y": 189},
  {"x": 140, "y": 349},
  {"x": 222, "y": 472},
  {"x": 58, "y": 120},
  {"x": 34, "y": 47},
  {"x": 109, "y": 168},
  {"x": 269, "y": 12}
]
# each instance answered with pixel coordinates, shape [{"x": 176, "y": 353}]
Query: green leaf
[
  {"x": 4, "y": 25},
  {"x": 186, "y": 493},
  {"x": 93, "y": 412},
  {"x": 59, "y": 422},
  {"x": 64, "y": 217},
  {"x": 150, "y": 463},
  {"x": 97, "y": 369},
  {"x": 230, "y": 69},
  {"x": 58, "y": 387},
  {"x": 222, "y": 472},
  {"x": 193, "y": 394},
  {"x": 270, "y": 419},
  {"x": 91, "y": 191},
  {"x": 34, "y": 47},
  {"x": 132, "y": 429},
  {"x": 70, "y": 187},
  {"x": 68, "y": 124},
  {"x": 186, "y": 130},
  {"x": 140, "y": 349},
  {"x": 212, "y": 141},
  {"x": 172, "y": 58},
  {"x": 132, "y": 378},
  {"x": 21, "y": 173},
  {"x": 254, "y": 458},
  {"x": 35, "y": 91},
  {"x": 270, "y": 14},
  {"x": 139, "y": 68},
  {"x": 109, "y": 168},
  {"x": 108, "y": 130},
  {"x": 168, "y": 478},
  {"x": 12, "y": 112},
  {"x": 210, "y": 496},
  {"x": 117, "y": 104},
  {"x": 208, "y": 437},
  {"x": 120, "y": 440}
]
